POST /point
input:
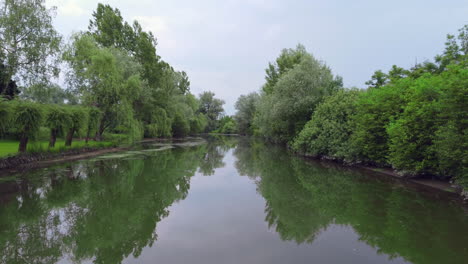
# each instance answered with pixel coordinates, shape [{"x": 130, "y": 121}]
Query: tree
[
  {"x": 283, "y": 113},
  {"x": 285, "y": 62},
  {"x": 246, "y": 107},
  {"x": 28, "y": 41},
  {"x": 78, "y": 119},
  {"x": 212, "y": 108},
  {"x": 106, "y": 78},
  {"x": 58, "y": 118},
  {"x": 28, "y": 118},
  {"x": 378, "y": 79},
  {"x": 47, "y": 93},
  {"x": 94, "y": 116},
  {"x": 227, "y": 125}
]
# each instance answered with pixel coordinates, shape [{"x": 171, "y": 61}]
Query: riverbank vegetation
[
  {"x": 414, "y": 120},
  {"x": 113, "y": 84}
]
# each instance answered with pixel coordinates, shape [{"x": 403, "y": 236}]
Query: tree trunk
[
  {"x": 23, "y": 143},
  {"x": 87, "y": 137},
  {"x": 69, "y": 138},
  {"x": 53, "y": 137},
  {"x": 100, "y": 131}
]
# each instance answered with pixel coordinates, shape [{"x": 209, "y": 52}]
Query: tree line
[
  {"x": 414, "y": 120},
  {"x": 115, "y": 83}
]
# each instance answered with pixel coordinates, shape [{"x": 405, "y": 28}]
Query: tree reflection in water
[
  {"x": 304, "y": 198},
  {"x": 104, "y": 210}
]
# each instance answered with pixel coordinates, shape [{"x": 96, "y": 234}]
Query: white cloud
[{"x": 68, "y": 7}]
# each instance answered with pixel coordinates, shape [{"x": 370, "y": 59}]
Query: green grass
[{"x": 10, "y": 147}]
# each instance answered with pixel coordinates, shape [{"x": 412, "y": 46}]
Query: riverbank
[
  {"x": 27, "y": 160},
  {"x": 41, "y": 159},
  {"x": 418, "y": 181}
]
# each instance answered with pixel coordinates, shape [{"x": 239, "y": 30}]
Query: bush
[
  {"x": 328, "y": 132},
  {"x": 411, "y": 134},
  {"x": 375, "y": 109}
]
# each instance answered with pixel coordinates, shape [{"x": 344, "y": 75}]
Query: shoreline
[
  {"x": 28, "y": 161},
  {"x": 435, "y": 186}
]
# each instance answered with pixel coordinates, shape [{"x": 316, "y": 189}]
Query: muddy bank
[
  {"x": 27, "y": 161},
  {"x": 34, "y": 160}
]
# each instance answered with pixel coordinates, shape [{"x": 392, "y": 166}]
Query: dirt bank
[{"x": 35, "y": 160}]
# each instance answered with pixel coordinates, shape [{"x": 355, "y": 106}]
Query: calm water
[{"x": 230, "y": 200}]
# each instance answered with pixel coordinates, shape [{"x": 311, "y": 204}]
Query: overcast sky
[{"x": 225, "y": 45}]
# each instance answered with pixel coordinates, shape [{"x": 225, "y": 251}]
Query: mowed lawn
[{"x": 10, "y": 147}]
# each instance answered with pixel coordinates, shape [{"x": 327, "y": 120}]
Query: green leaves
[
  {"x": 282, "y": 113},
  {"x": 29, "y": 43}
]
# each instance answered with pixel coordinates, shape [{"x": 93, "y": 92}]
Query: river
[{"x": 222, "y": 200}]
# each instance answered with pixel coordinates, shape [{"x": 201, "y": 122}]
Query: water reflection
[
  {"x": 111, "y": 209},
  {"x": 103, "y": 211},
  {"x": 304, "y": 198}
]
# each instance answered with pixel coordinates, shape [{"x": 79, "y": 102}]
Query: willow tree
[
  {"x": 106, "y": 78},
  {"x": 57, "y": 119},
  {"x": 78, "y": 118},
  {"x": 94, "y": 115},
  {"x": 28, "y": 41},
  {"x": 28, "y": 118}
]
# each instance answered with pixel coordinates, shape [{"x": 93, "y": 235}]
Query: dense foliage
[
  {"x": 283, "y": 111},
  {"x": 414, "y": 120},
  {"x": 117, "y": 86}
]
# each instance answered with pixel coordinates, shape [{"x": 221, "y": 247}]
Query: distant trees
[
  {"x": 212, "y": 108},
  {"x": 246, "y": 107}
]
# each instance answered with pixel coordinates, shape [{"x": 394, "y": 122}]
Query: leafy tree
[
  {"x": 57, "y": 119},
  {"x": 246, "y": 107},
  {"x": 180, "y": 126},
  {"x": 285, "y": 62},
  {"x": 283, "y": 113},
  {"x": 28, "y": 41},
  {"x": 27, "y": 118},
  {"x": 212, "y": 108},
  {"x": 94, "y": 116},
  {"x": 105, "y": 78},
  {"x": 227, "y": 125},
  {"x": 78, "y": 119},
  {"x": 378, "y": 79},
  {"x": 47, "y": 94}
]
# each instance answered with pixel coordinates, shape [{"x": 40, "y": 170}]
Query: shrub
[{"x": 328, "y": 132}]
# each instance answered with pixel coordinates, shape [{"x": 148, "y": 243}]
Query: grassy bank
[{"x": 10, "y": 147}]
